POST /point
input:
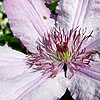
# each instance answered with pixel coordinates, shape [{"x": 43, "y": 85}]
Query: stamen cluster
[{"x": 58, "y": 48}]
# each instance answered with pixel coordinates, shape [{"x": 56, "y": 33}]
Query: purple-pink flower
[{"x": 64, "y": 52}]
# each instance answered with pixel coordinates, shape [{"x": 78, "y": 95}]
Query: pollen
[{"x": 62, "y": 50}]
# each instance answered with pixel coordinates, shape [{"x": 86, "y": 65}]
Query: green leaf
[
  {"x": 12, "y": 41},
  {"x": 53, "y": 5}
]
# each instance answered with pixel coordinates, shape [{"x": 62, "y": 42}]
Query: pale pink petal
[
  {"x": 80, "y": 13},
  {"x": 11, "y": 63},
  {"x": 30, "y": 86},
  {"x": 85, "y": 84},
  {"x": 92, "y": 20},
  {"x": 84, "y": 13},
  {"x": 66, "y": 13},
  {"x": 84, "y": 88},
  {"x": 94, "y": 70},
  {"x": 92, "y": 15},
  {"x": 95, "y": 67},
  {"x": 91, "y": 73},
  {"x": 94, "y": 44},
  {"x": 18, "y": 82},
  {"x": 29, "y": 20}
]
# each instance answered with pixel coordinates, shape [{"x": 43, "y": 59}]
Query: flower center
[
  {"x": 62, "y": 51},
  {"x": 59, "y": 51}
]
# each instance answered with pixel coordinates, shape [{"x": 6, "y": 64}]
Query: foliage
[{"x": 53, "y": 5}]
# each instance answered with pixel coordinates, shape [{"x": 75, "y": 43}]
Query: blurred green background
[{"x": 6, "y": 36}]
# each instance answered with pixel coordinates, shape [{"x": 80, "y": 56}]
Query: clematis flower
[{"x": 62, "y": 56}]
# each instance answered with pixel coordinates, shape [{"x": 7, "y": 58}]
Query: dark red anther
[
  {"x": 65, "y": 47},
  {"x": 59, "y": 48}
]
